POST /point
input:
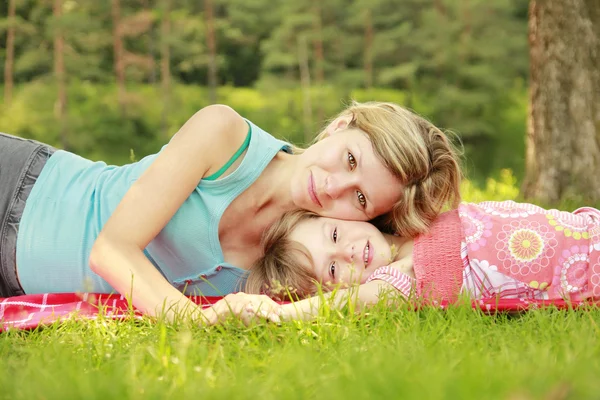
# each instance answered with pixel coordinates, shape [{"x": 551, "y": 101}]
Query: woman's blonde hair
[
  {"x": 416, "y": 152},
  {"x": 285, "y": 271}
]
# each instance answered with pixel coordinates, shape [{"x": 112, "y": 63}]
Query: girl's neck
[{"x": 401, "y": 246}]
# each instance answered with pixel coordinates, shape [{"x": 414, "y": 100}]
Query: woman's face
[
  {"x": 342, "y": 252},
  {"x": 342, "y": 177}
]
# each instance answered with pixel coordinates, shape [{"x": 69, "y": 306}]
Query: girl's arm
[
  {"x": 201, "y": 147},
  {"x": 248, "y": 307},
  {"x": 396, "y": 276},
  {"x": 364, "y": 295}
]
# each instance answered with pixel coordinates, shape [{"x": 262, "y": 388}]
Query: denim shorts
[{"x": 21, "y": 162}]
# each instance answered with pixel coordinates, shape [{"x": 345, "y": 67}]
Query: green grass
[{"x": 426, "y": 354}]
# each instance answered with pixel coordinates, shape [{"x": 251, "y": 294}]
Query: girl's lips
[
  {"x": 312, "y": 192},
  {"x": 368, "y": 253}
]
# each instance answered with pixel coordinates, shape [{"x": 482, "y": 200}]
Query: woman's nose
[{"x": 334, "y": 187}]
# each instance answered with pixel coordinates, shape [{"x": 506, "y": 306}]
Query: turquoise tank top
[{"x": 74, "y": 197}]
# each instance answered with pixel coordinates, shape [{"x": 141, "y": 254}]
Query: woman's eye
[
  {"x": 361, "y": 199},
  {"x": 332, "y": 270},
  {"x": 334, "y": 235},
  {"x": 351, "y": 161}
]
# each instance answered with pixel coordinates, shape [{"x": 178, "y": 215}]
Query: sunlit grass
[{"x": 400, "y": 353}]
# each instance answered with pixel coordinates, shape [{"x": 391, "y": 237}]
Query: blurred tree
[
  {"x": 563, "y": 146},
  {"x": 211, "y": 43},
  {"x": 119, "y": 57},
  {"x": 60, "y": 73},
  {"x": 462, "y": 64},
  {"x": 124, "y": 26},
  {"x": 464, "y": 73},
  {"x": 165, "y": 61},
  {"x": 10, "y": 52}
]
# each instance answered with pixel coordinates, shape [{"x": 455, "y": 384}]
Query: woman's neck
[{"x": 271, "y": 191}]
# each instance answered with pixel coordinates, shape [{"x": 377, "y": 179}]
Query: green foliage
[
  {"x": 462, "y": 64},
  {"x": 99, "y": 130},
  {"x": 503, "y": 188}
]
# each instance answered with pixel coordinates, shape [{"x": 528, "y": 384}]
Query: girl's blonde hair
[
  {"x": 416, "y": 152},
  {"x": 285, "y": 271}
]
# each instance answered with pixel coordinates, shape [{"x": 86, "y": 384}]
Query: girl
[
  {"x": 485, "y": 250},
  {"x": 190, "y": 218}
]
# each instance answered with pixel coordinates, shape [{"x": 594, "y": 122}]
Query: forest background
[{"x": 105, "y": 78}]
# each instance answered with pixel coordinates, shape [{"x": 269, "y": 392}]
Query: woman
[{"x": 190, "y": 218}]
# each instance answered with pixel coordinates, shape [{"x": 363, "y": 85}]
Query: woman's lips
[{"x": 312, "y": 191}]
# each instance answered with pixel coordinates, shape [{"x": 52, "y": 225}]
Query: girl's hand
[{"x": 247, "y": 307}]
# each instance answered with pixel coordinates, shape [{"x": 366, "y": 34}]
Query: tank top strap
[{"x": 233, "y": 158}]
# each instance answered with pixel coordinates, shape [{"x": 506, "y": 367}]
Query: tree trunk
[
  {"x": 441, "y": 7},
  {"x": 60, "y": 75},
  {"x": 318, "y": 44},
  {"x": 151, "y": 46},
  {"x": 319, "y": 57},
  {"x": 119, "y": 52},
  {"x": 369, "y": 33},
  {"x": 305, "y": 84},
  {"x": 165, "y": 60},
  {"x": 465, "y": 36},
  {"x": 563, "y": 130},
  {"x": 212, "y": 51},
  {"x": 10, "y": 54}
]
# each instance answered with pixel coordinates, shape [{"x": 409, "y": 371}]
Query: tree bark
[
  {"x": 10, "y": 54},
  {"x": 212, "y": 51},
  {"x": 60, "y": 75},
  {"x": 563, "y": 128},
  {"x": 119, "y": 52}
]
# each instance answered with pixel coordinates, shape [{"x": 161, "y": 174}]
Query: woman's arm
[{"x": 201, "y": 147}]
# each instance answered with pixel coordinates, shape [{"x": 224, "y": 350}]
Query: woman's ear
[{"x": 338, "y": 124}]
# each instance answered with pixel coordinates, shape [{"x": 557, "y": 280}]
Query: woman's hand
[{"x": 247, "y": 307}]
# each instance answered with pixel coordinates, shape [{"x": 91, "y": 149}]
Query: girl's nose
[{"x": 349, "y": 253}]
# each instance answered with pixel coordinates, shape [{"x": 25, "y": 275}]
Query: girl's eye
[
  {"x": 351, "y": 161},
  {"x": 334, "y": 235},
  {"x": 332, "y": 270},
  {"x": 361, "y": 198}
]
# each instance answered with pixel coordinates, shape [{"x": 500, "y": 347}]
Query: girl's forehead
[{"x": 309, "y": 226}]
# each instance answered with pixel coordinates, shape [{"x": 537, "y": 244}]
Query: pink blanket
[{"x": 31, "y": 311}]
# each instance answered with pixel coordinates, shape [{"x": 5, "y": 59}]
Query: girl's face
[
  {"x": 342, "y": 177},
  {"x": 343, "y": 252}
]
